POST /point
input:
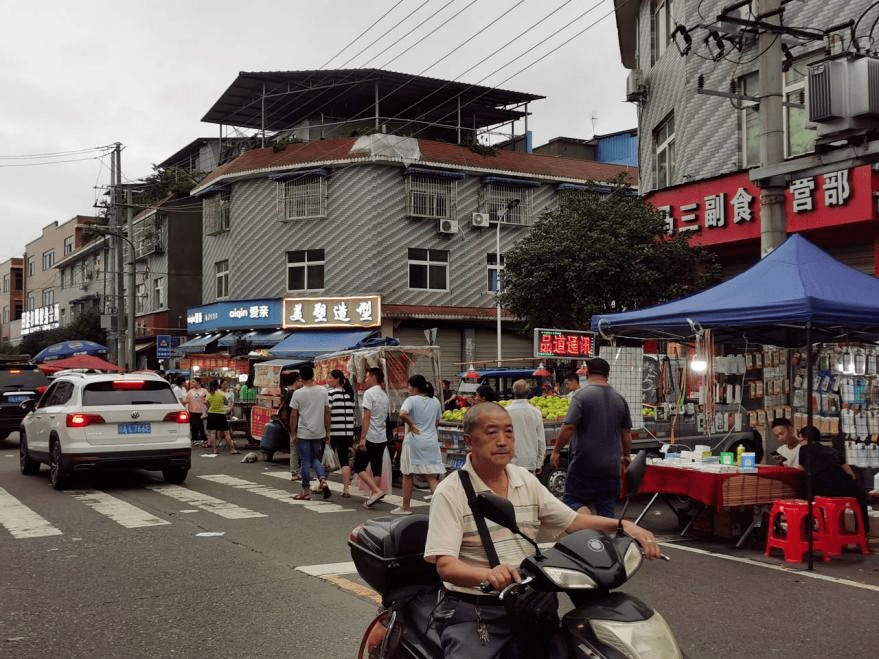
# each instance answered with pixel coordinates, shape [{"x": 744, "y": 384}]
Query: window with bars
[
  {"x": 159, "y": 292},
  {"x": 430, "y": 196},
  {"x": 215, "y": 212},
  {"x": 428, "y": 269},
  {"x": 140, "y": 298},
  {"x": 303, "y": 197},
  {"x": 147, "y": 236},
  {"x": 221, "y": 270},
  {"x": 495, "y": 272},
  {"x": 305, "y": 270},
  {"x": 499, "y": 195}
]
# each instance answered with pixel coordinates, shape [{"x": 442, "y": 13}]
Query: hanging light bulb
[
  {"x": 698, "y": 363},
  {"x": 541, "y": 371}
]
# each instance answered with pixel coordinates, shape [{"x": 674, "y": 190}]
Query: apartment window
[
  {"x": 303, "y": 197},
  {"x": 664, "y": 139},
  {"x": 5, "y": 283},
  {"x": 140, "y": 298},
  {"x": 18, "y": 280},
  {"x": 31, "y": 302},
  {"x": 5, "y": 315},
  {"x": 305, "y": 270},
  {"x": 31, "y": 266},
  {"x": 147, "y": 236},
  {"x": 430, "y": 196},
  {"x": 61, "y": 279},
  {"x": 215, "y": 211},
  {"x": 48, "y": 259},
  {"x": 797, "y": 140},
  {"x": 159, "y": 292},
  {"x": 68, "y": 245},
  {"x": 495, "y": 271},
  {"x": 48, "y": 296},
  {"x": 429, "y": 269},
  {"x": 499, "y": 196},
  {"x": 222, "y": 275},
  {"x": 750, "y": 120},
  {"x": 661, "y": 27}
]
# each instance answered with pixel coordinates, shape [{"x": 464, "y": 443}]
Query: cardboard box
[
  {"x": 727, "y": 458},
  {"x": 749, "y": 462}
]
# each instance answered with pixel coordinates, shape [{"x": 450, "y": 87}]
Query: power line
[
  {"x": 54, "y": 154},
  {"x": 50, "y": 162},
  {"x": 355, "y": 39}
]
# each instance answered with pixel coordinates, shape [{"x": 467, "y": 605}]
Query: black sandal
[
  {"x": 304, "y": 495},
  {"x": 326, "y": 490}
]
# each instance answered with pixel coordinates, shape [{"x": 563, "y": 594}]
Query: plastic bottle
[{"x": 739, "y": 451}]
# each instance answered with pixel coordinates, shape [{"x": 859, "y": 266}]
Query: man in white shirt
[
  {"x": 527, "y": 428},
  {"x": 788, "y": 443},
  {"x": 373, "y": 434},
  {"x": 310, "y": 429},
  {"x": 572, "y": 383}
]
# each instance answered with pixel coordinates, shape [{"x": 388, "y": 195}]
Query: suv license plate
[
  {"x": 134, "y": 428},
  {"x": 17, "y": 398}
]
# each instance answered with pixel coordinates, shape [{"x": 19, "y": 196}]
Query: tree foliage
[{"x": 600, "y": 253}]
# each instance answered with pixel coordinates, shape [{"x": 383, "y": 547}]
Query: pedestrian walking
[
  {"x": 527, "y": 429},
  {"x": 373, "y": 434},
  {"x": 218, "y": 423},
  {"x": 195, "y": 404},
  {"x": 309, "y": 430},
  {"x": 599, "y": 419},
  {"x": 341, "y": 396},
  {"x": 179, "y": 391},
  {"x": 421, "y": 413}
]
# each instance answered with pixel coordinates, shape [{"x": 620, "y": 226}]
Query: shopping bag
[
  {"x": 330, "y": 460},
  {"x": 384, "y": 483}
]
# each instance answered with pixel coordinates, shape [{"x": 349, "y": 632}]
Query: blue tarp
[
  {"x": 796, "y": 284},
  {"x": 308, "y": 345}
]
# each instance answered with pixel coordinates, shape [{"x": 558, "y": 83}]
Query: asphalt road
[{"x": 127, "y": 572}]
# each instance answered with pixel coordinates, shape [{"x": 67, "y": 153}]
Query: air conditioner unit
[
  {"x": 481, "y": 219},
  {"x": 447, "y": 226},
  {"x": 844, "y": 96},
  {"x": 635, "y": 90}
]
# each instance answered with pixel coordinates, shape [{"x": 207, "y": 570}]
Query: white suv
[{"x": 99, "y": 421}]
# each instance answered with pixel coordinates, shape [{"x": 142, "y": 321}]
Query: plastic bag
[
  {"x": 329, "y": 459},
  {"x": 384, "y": 483}
]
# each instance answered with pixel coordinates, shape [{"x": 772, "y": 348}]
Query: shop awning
[
  {"x": 257, "y": 338},
  {"x": 308, "y": 345},
  {"x": 140, "y": 347},
  {"x": 199, "y": 343}
]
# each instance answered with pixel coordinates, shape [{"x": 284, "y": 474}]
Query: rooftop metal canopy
[{"x": 278, "y": 100}]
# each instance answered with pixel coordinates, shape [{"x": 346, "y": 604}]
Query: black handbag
[{"x": 534, "y": 614}]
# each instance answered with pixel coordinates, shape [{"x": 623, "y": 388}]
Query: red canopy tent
[{"x": 78, "y": 361}]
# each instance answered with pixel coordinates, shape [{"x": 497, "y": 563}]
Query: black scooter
[{"x": 587, "y": 566}]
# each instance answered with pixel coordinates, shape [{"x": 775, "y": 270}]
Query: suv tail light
[
  {"x": 41, "y": 389},
  {"x": 177, "y": 417},
  {"x": 128, "y": 384},
  {"x": 83, "y": 420}
]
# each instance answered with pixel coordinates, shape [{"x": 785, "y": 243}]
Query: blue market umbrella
[{"x": 67, "y": 349}]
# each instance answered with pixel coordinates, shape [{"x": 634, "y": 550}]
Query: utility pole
[
  {"x": 132, "y": 294},
  {"x": 773, "y": 219},
  {"x": 116, "y": 226}
]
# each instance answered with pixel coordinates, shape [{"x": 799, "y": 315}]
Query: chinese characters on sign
[
  {"x": 739, "y": 207},
  {"x": 563, "y": 344},
  {"x": 41, "y": 319},
  {"x": 362, "y": 311}
]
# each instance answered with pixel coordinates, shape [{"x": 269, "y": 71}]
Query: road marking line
[
  {"x": 778, "y": 568},
  {"x": 284, "y": 496},
  {"x": 21, "y": 521},
  {"x": 121, "y": 512},
  {"x": 328, "y": 569},
  {"x": 391, "y": 499},
  {"x": 356, "y": 588},
  {"x": 205, "y": 502}
]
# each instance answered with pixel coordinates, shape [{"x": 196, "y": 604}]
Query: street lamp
[{"x": 501, "y": 216}]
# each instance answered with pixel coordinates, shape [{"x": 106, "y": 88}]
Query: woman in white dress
[{"x": 421, "y": 413}]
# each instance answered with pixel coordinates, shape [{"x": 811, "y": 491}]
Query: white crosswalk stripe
[
  {"x": 121, "y": 512},
  {"x": 284, "y": 496},
  {"x": 21, "y": 521},
  {"x": 391, "y": 499},
  {"x": 205, "y": 502}
]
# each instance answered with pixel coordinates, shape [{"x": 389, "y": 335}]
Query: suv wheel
[
  {"x": 175, "y": 475},
  {"x": 554, "y": 478},
  {"x": 57, "y": 475},
  {"x": 28, "y": 466}
]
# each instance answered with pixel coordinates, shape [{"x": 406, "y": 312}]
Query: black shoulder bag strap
[{"x": 484, "y": 535}]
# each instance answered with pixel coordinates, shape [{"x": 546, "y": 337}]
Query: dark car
[{"x": 19, "y": 383}]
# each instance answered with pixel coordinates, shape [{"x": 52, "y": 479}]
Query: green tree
[{"x": 600, "y": 253}]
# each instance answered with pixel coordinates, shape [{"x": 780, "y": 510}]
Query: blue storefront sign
[{"x": 236, "y": 315}]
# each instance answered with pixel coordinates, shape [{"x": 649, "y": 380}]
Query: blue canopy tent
[
  {"x": 307, "y": 345},
  {"x": 796, "y": 295}
]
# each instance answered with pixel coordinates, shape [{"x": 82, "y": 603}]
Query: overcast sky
[{"x": 78, "y": 75}]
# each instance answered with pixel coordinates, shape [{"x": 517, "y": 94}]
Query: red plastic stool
[
  {"x": 794, "y": 543},
  {"x": 831, "y": 514}
]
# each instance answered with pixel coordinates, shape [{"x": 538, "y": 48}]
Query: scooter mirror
[
  {"x": 635, "y": 472},
  {"x": 498, "y": 509}
]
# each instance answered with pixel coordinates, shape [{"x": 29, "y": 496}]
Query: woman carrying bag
[
  {"x": 341, "y": 397},
  {"x": 421, "y": 413}
]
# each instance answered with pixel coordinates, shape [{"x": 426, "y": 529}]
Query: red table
[{"x": 722, "y": 490}]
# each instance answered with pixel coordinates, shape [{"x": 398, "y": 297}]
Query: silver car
[{"x": 99, "y": 421}]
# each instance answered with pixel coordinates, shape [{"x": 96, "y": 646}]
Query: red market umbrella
[{"x": 78, "y": 361}]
